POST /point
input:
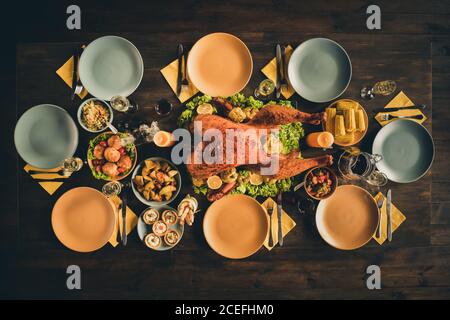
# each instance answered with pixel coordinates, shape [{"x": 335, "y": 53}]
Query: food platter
[
  {"x": 117, "y": 157},
  {"x": 360, "y": 122},
  {"x": 151, "y": 182},
  {"x": 144, "y": 229}
]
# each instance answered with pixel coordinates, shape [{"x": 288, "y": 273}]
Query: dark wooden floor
[{"x": 413, "y": 48}]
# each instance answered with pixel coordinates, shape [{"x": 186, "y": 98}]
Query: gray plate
[
  {"x": 141, "y": 198},
  {"x": 407, "y": 149},
  {"x": 320, "y": 70},
  {"x": 111, "y": 66},
  {"x": 143, "y": 229},
  {"x": 45, "y": 135}
]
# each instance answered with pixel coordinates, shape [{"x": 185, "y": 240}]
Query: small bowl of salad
[{"x": 320, "y": 183}]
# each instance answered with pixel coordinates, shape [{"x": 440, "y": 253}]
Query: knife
[
  {"x": 283, "y": 61},
  {"x": 279, "y": 66},
  {"x": 415, "y": 107},
  {"x": 388, "y": 211},
  {"x": 279, "y": 210},
  {"x": 124, "y": 218},
  {"x": 74, "y": 73},
  {"x": 180, "y": 65}
]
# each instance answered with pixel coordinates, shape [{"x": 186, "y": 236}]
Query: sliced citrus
[
  {"x": 214, "y": 182},
  {"x": 256, "y": 179},
  {"x": 205, "y": 108}
]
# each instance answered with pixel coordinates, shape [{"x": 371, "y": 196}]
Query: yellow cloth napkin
[
  {"x": 396, "y": 216},
  {"x": 401, "y": 100},
  {"x": 287, "y": 224},
  {"x": 170, "y": 73},
  {"x": 132, "y": 220},
  {"x": 49, "y": 186},
  {"x": 270, "y": 71},
  {"x": 66, "y": 73}
]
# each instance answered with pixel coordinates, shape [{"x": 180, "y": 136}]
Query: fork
[
  {"x": 184, "y": 80},
  {"x": 380, "y": 205},
  {"x": 387, "y": 117},
  {"x": 270, "y": 211}
]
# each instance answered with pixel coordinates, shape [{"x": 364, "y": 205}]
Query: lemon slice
[
  {"x": 256, "y": 179},
  {"x": 214, "y": 182},
  {"x": 205, "y": 108},
  {"x": 198, "y": 182}
]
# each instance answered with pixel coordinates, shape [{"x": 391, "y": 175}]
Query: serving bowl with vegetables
[
  {"x": 109, "y": 159},
  {"x": 156, "y": 181},
  {"x": 320, "y": 183}
]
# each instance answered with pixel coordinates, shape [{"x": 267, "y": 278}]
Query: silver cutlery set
[
  {"x": 279, "y": 214},
  {"x": 182, "y": 82},
  {"x": 280, "y": 57},
  {"x": 388, "y": 215}
]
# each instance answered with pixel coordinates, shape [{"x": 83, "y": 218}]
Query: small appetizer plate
[{"x": 144, "y": 229}]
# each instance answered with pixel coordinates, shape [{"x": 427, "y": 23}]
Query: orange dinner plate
[
  {"x": 348, "y": 219},
  {"x": 83, "y": 219},
  {"x": 235, "y": 226},
  {"x": 219, "y": 64}
]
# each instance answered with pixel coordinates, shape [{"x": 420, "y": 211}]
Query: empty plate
[
  {"x": 407, "y": 149},
  {"x": 319, "y": 70},
  {"x": 111, "y": 66},
  {"x": 348, "y": 219},
  {"x": 220, "y": 64},
  {"x": 83, "y": 219},
  {"x": 45, "y": 135},
  {"x": 235, "y": 226}
]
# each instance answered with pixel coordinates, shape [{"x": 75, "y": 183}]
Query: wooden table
[{"x": 413, "y": 48}]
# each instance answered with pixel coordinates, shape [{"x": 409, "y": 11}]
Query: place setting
[{"x": 323, "y": 169}]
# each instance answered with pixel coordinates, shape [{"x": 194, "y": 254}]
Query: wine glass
[
  {"x": 265, "y": 89},
  {"x": 72, "y": 164},
  {"x": 384, "y": 88},
  {"x": 123, "y": 104},
  {"x": 112, "y": 188}
]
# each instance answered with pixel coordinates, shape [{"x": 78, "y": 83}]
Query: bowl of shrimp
[{"x": 109, "y": 159}]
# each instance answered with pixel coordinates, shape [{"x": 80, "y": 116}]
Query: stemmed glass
[
  {"x": 123, "y": 104},
  {"x": 72, "y": 164},
  {"x": 384, "y": 88},
  {"x": 265, "y": 89},
  {"x": 112, "y": 188}
]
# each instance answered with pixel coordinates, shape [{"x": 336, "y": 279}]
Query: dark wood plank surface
[{"x": 413, "y": 48}]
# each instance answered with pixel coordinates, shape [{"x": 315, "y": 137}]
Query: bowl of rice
[{"x": 94, "y": 115}]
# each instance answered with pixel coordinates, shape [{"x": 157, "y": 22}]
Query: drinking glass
[
  {"x": 384, "y": 88},
  {"x": 163, "y": 107},
  {"x": 362, "y": 165},
  {"x": 112, "y": 188},
  {"x": 123, "y": 104},
  {"x": 265, "y": 89},
  {"x": 72, "y": 164}
]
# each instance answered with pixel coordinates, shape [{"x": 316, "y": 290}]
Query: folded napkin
[
  {"x": 270, "y": 71},
  {"x": 66, "y": 73},
  {"x": 287, "y": 224},
  {"x": 47, "y": 177},
  {"x": 396, "y": 216},
  {"x": 132, "y": 220},
  {"x": 401, "y": 100},
  {"x": 170, "y": 73}
]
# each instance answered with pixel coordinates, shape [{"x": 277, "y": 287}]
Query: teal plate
[
  {"x": 45, "y": 135},
  {"x": 111, "y": 66},
  {"x": 407, "y": 149},
  {"x": 319, "y": 70}
]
